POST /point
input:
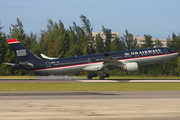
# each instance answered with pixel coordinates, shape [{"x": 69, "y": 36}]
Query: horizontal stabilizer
[
  {"x": 46, "y": 57},
  {"x": 13, "y": 65},
  {"x": 9, "y": 64},
  {"x": 21, "y": 65}
]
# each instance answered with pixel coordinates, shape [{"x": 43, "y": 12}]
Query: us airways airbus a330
[{"x": 107, "y": 61}]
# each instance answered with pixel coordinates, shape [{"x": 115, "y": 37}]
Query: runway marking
[
  {"x": 132, "y": 81},
  {"x": 96, "y": 81}
]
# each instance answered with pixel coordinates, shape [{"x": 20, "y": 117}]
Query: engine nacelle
[{"x": 131, "y": 67}]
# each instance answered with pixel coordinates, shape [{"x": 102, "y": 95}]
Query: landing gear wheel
[
  {"x": 162, "y": 65},
  {"x": 101, "y": 77},
  {"x": 89, "y": 77},
  {"x": 106, "y": 75},
  {"x": 94, "y": 75}
]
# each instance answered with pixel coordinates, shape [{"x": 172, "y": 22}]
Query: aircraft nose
[{"x": 176, "y": 54}]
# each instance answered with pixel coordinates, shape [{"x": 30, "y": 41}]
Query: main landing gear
[
  {"x": 95, "y": 75},
  {"x": 103, "y": 76},
  {"x": 92, "y": 75}
]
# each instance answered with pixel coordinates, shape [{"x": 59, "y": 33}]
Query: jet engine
[{"x": 130, "y": 67}]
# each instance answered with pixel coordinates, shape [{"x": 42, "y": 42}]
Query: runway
[
  {"x": 126, "y": 105},
  {"x": 90, "y": 94},
  {"x": 99, "y": 105}
]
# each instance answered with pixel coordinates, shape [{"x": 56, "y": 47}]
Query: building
[
  {"x": 113, "y": 35},
  {"x": 141, "y": 41}
]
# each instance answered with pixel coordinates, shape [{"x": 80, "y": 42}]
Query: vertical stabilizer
[{"x": 21, "y": 52}]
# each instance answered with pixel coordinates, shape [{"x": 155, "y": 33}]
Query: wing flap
[
  {"x": 111, "y": 63},
  {"x": 93, "y": 67}
]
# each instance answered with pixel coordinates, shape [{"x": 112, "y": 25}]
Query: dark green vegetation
[
  {"x": 4, "y": 87},
  {"x": 57, "y": 41}
]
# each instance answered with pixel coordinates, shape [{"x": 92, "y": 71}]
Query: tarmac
[{"x": 92, "y": 105}]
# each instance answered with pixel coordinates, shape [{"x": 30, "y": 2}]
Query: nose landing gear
[{"x": 162, "y": 65}]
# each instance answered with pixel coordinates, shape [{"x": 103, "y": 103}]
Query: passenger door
[
  {"x": 48, "y": 65},
  {"x": 166, "y": 51}
]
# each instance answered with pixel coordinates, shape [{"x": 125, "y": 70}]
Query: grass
[
  {"x": 18, "y": 77},
  {"x": 9, "y": 87},
  {"x": 5, "y": 87}
]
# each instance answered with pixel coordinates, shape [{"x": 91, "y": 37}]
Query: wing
[
  {"x": 93, "y": 68},
  {"x": 111, "y": 63}
]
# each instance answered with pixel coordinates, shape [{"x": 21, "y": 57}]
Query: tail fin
[{"x": 21, "y": 52}]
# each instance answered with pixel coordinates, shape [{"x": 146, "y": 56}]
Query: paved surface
[
  {"x": 130, "y": 80},
  {"x": 93, "y": 105},
  {"x": 89, "y": 95},
  {"x": 127, "y": 105}
]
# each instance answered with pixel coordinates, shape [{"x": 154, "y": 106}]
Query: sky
[{"x": 158, "y": 18}]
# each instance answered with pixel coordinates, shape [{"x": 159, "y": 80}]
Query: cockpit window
[{"x": 172, "y": 50}]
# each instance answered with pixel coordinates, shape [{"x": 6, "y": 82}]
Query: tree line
[{"x": 57, "y": 41}]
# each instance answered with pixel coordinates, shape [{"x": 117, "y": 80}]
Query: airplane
[{"x": 128, "y": 60}]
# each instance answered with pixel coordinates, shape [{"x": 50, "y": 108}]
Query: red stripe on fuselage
[
  {"x": 103, "y": 61},
  {"x": 64, "y": 66},
  {"x": 12, "y": 41}
]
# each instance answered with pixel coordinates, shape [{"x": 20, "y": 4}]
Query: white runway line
[
  {"x": 163, "y": 81},
  {"x": 58, "y": 78},
  {"x": 95, "y": 81},
  {"x": 132, "y": 81}
]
